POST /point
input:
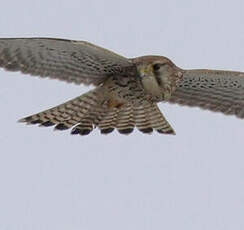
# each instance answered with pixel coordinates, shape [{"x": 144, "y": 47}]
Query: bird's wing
[
  {"x": 67, "y": 60},
  {"x": 215, "y": 90}
]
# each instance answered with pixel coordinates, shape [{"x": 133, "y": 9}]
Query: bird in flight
[{"x": 127, "y": 89}]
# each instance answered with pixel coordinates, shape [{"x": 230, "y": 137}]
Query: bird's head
[{"x": 159, "y": 75}]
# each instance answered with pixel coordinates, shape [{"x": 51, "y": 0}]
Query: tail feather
[
  {"x": 125, "y": 120},
  {"x": 108, "y": 123},
  {"x": 142, "y": 120}
]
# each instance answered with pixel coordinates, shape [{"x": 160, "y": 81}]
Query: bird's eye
[{"x": 156, "y": 67}]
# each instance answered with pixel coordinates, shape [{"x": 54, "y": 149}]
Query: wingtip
[
  {"x": 167, "y": 132},
  {"x": 26, "y": 119},
  {"x": 22, "y": 120},
  {"x": 126, "y": 131}
]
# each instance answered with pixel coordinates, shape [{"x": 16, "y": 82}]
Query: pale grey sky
[{"x": 52, "y": 180}]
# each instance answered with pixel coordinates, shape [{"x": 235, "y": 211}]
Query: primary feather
[{"x": 66, "y": 60}]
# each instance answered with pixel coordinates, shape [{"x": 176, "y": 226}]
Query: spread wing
[
  {"x": 220, "y": 91},
  {"x": 67, "y": 60}
]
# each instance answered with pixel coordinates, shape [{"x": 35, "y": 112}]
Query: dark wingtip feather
[
  {"x": 75, "y": 131},
  {"x": 61, "y": 126},
  {"x": 47, "y": 124},
  {"x": 84, "y": 132},
  {"x": 126, "y": 131},
  {"x": 146, "y": 130},
  {"x": 34, "y": 122},
  {"x": 79, "y": 131},
  {"x": 30, "y": 120},
  {"x": 171, "y": 132},
  {"x": 25, "y": 119},
  {"x": 107, "y": 131}
]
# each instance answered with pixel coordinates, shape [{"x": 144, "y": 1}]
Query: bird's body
[{"x": 127, "y": 90}]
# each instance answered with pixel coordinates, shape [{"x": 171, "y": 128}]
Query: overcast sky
[{"x": 52, "y": 180}]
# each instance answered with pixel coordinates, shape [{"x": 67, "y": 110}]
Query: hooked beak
[{"x": 145, "y": 71}]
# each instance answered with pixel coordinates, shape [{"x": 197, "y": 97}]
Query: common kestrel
[{"x": 127, "y": 90}]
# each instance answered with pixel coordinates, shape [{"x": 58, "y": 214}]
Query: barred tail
[
  {"x": 145, "y": 118},
  {"x": 91, "y": 110}
]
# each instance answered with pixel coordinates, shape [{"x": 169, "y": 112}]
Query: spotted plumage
[{"x": 127, "y": 90}]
